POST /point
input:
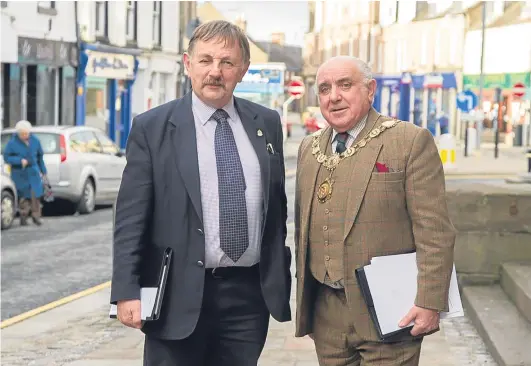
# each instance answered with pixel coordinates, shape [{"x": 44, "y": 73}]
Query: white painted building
[
  {"x": 38, "y": 60},
  {"x": 159, "y": 67},
  {"x": 132, "y": 50}
]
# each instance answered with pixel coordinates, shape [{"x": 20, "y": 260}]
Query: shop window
[
  {"x": 67, "y": 95},
  {"x": 47, "y": 82},
  {"x": 95, "y": 102}
]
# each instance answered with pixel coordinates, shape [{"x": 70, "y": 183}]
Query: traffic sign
[
  {"x": 519, "y": 90},
  {"x": 467, "y": 101},
  {"x": 296, "y": 88}
]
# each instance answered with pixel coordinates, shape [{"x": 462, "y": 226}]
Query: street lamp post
[{"x": 481, "y": 76}]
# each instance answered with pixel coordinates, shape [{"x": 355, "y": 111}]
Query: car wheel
[
  {"x": 88, "y": 198},
  {"x": 8, "y": 209}
]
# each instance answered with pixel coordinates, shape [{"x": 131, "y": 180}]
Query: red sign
[
  {"x": 296, "y": 88},
  {"x": 519, "y": 90}
]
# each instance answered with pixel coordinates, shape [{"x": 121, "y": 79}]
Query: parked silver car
[
  {"x": 9, "y": 198},
  {"x": 84, "y": 165}
]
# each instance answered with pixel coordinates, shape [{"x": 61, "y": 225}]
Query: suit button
[
  {"x": 325, "y": 228},
  {"x": 327, "y": 258},
  {"x": 326, "y": 242},
  {"x": 200, "y": 231},
  {"x": 200, "y": 263},
  {"x": 327, "y": 211}
]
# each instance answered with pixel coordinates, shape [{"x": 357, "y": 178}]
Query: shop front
[
  {"x": 104, "y": 89},
  {"x": 498, "y": 88},
  {"x": 387, "y": 96},
  {"x": 434, "y": 100},
  {"x": 40, "y": 86},
  {"x": 426, "y": 100}
]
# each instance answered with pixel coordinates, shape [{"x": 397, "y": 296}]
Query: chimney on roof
[
  {"x": 241, "y": 22},
  {"x": 278, "y": 38}
]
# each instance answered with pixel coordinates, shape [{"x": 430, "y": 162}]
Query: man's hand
[
  {"x": 129, "y": 313},
  {"x": 24, "y": 162},
  {"x": 426, "y": 320}
]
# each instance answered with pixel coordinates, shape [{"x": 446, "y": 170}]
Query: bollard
[
  {"x": 447, "y": 150},
  {"x": 472, "y": 140},
  {"x": 466, "y": 140}
]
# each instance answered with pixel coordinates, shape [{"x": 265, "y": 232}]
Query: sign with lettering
[
  {"x": 110, "y": 65},
  {"x": 33, "y": 51}
]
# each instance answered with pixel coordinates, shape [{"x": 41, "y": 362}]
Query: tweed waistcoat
[{"x": 327, "y": 228}]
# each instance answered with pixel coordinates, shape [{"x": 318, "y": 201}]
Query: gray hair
[
  {"x": 225, "y": 32},
  {"x": 363, "y": 68},
  {"x": 23, "y": 126}
]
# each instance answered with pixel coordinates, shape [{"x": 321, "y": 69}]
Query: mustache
[{"x": 213, "y": 82}]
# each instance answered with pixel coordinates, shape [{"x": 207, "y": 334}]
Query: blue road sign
[{"x": 467, "y": 101}]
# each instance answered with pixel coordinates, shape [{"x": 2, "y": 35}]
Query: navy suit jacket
[{"x": 159, "y": 206}]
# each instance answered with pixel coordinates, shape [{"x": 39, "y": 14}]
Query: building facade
[
  {"x": 187, "y": 24},
  {"x": 420, "y": 82},
  {"x": 38, "y": 62},
  {"x": 126, "y": 66},
  {"x": 340, "y": 28},
  {"x": 505, "y": 35}
]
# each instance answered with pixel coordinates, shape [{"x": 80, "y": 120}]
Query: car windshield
[{"x": 49, "y": 141}]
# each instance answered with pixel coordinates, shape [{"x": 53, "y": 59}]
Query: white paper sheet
[
  {"x": 147, "y": 296},
  {"x": 393, "y": 284}
]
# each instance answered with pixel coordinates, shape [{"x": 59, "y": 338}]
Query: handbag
[{"x": 48, "y": 194}]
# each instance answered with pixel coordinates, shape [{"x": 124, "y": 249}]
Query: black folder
[
  {"x": 399, "y": 335},
  {"x": 161, "y": 287}
]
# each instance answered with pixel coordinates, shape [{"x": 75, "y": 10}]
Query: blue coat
[{"x": 26, "y": 179}]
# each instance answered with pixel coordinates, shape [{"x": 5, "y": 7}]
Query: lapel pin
[{"x": 259, "y": 133}]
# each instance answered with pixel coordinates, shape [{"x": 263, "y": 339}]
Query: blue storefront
[
  {"x": 426, "y": 100},
  {"x": 105, "y": 81}
]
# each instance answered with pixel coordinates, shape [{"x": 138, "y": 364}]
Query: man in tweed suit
[{"x": 381, "y": 193}]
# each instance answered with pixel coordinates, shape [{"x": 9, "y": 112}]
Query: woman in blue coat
[{"x": 24, "y": 153}]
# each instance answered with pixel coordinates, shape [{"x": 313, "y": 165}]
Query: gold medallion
[{"x": 325, "y": 190}]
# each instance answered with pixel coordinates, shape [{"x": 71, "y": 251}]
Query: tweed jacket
[{"x": 387, "y": 213}]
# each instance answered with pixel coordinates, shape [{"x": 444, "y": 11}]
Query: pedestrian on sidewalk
[
  {"x": 367, "y": 186},
  {"x": 24, "y": 154},
  {"x": 205, "y": 177}
]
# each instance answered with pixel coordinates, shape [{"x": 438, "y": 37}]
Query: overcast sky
[{"x": 266, "y": 17}]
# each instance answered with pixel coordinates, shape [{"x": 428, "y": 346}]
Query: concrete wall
[{"x": 494, "y": 226}]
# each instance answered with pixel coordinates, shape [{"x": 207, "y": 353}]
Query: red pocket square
[{"x": 382, "y": 168}]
